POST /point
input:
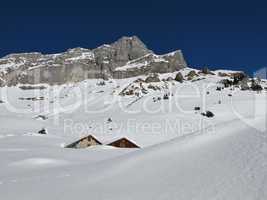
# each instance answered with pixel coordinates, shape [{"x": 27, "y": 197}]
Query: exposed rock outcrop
[
  {"x": 191, "y": 75},
  {"x": 206, "y": 70},
  {"x": 179, "y": 77}
]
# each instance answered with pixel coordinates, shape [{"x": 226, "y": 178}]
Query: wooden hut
[
  {"x": 84, "y": 142},
  {"x": 123, "y": 143}
]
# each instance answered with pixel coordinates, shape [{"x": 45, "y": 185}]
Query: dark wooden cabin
[
  {"x": 84, "y": 143},
  {"x": 123, "y": 143}
]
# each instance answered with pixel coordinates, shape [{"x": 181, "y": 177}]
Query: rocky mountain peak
[
  {"x": 132, "y": 41},
  {"x": 132, "y": 46}
]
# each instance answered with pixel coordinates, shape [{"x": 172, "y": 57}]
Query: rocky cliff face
[{"x": 127, "y": 57}]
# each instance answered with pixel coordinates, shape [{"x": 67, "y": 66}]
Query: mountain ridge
[{"x": 78, "y": 64}]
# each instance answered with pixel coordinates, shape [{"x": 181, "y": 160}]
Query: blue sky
[{"x": 217, "y": 34}]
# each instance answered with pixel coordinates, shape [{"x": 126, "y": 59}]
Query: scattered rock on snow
[
  {"x": 43, "y": 117},
  {"x": 155, "y": 99},
  {"x": 101, "y": 83},
  {"x": 165, "y": 96},
  {"x": 218, "y": 88},
  {"x": 244, "y": 84},
  {"x": 208, "y": 114},
  {"x": 255, "y": 86},
  {"x": 32, "y": 98},
  {"x": 198, "y": 79},
  {"x": 179, "y": 77},
  {"x": 197, "y": 108},
  {"x": 28, "y": 87},
  {"x": 152, "y": 78},
  {"x": 42, "y": 131},
  {"x": 139, "y": 80},
  {"x": 153, "y": 87},
  {"x": 226, "y": 82},
  {"x": 169, "y": 79}
]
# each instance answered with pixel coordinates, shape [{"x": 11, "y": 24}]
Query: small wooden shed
[
  {"x": 123, "y": 143},
  {"x": 84, "y": 142}
]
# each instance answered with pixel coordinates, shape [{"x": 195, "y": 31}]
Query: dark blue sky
[{"x": 218, "y": 34}]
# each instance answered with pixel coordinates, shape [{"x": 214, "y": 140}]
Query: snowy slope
[{"x": 184, "y": 155}]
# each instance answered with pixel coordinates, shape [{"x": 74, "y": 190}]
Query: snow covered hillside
[{"x": 185, "y": 153}]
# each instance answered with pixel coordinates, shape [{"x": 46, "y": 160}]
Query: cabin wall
[
  {"x": 86, "y": 143},
  {"x": 123, "y": 143}
]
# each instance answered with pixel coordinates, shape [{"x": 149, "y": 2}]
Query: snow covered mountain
[
  {"x": 127, "y": 57},
  {"x": 201, "y": 133}
]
